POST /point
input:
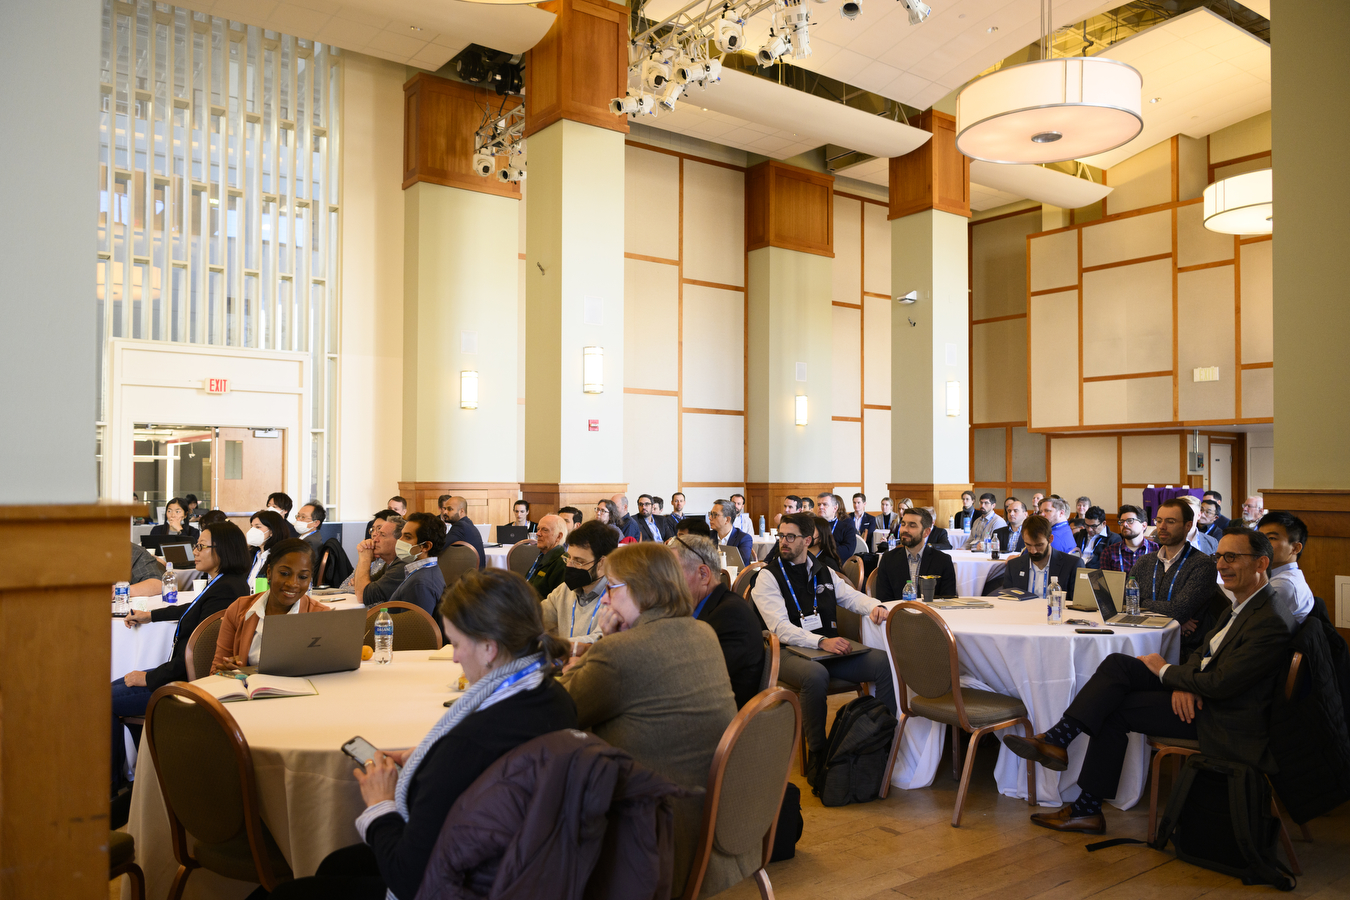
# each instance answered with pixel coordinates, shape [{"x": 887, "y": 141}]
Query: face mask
[
  {"x": 405, "y": 552},
  {"x": 305, "y": 527},
  {"x": 576, "y": 579},
  {"x": 255, "y": 536}
]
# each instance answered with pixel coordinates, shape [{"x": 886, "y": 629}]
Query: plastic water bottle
[
  {"x": 1131, "y": 597},
  {"x": 384, "y": 638},
  {"x": 1054, "y": 603},
  {"x": 989, "y": 544},
  {"x": 890, "y": 541},
  {"x": 762, "y": 532},
  {"x": 121, "y": 606},
  {"x": 909, "y": 594},
  {"x": 170, "y": 592}
]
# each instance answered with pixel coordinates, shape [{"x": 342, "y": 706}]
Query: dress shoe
[
  {"x": 1065, "y": 820},
  {"x": 1038, "y": 750}
]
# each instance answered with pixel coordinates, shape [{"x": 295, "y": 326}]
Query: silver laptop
[
  {"x": 1106, "y": 605},
  {"x": 312, "y": 643},
  {"x": 1083, "y": 598}
]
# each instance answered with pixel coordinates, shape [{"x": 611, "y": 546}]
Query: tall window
[{"x": 218, "y": 214}]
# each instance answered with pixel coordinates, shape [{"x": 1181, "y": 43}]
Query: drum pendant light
[{"x": 1242, "y": 204}]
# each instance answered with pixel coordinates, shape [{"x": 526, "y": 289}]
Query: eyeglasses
[
  {"x": 783, "y": 536},
  {"x": 1231, "y": 558},
  {"x": 1129, "y": 521},
  {"x": 203, "y": 547}
]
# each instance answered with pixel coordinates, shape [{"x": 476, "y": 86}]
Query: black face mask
[{"x": 576, "y": 579}]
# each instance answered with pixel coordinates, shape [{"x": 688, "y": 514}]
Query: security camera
[
  {"x": 511, "y": 174},
  {"x": 911, "y": 297},
  {"x": 918, "y": 10},
  {"x": 483, "y": 164},
  {"x": 851, "y": 9},
  {"x": 771, "y": 51},
  {"x": 730, "y": 34}
]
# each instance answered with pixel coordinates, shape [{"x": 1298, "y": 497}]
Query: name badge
[{"x": 812, "y": 622}]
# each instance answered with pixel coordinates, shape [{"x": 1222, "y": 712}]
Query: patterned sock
[
  {"x": 1065, "y": 730},
  {"x": 1087, "y": 804}
]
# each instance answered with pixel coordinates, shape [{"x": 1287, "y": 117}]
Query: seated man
[
  {"x": 742, "y": 520},
  {"x": 797, "y": 602},
  {"x": 1056, "y": 512},
  {"x": 1221, "y": 520},
  {"x": 280, "y": 503},
  {"x": 572, "y": 517},
  {"x": 720, "y": 517},
  {"x": 1221, "y": 694},
  {"x": 455, "y": 510},
  {"x": 841, "y": 527},
  {"x": 379, "y": 570},
  {"x": 985, "y": 523},
  {"x": 398, "y": 506},
  {"x": 937, "y": 538},
  {"x": 1177, "y": 580},
  {"x": 521, "y": 512},
  {"x": 805, "y": 504},
  {"x": 651, "y": 527},
  {"x": 730, "y": 615},
  {"x": 1031, "y": 571},
  {"x": 693, "y": 526},
  {"x": 307, "y": 522},
  {"x": 571, "y": 609},
  {"x": 626, "y": 523},
  {"x": 791, "y": 504},
  {"x": 1095, "y": 538},
  {"x": 147, "y": 575},
  {"x": 1010, "y": 537},
  {"x": 1287, "y": 534},
  {"x": 419, "y": 545},
  {"x": 1253, "y": 508},
  {"x": 1203, "y": 542},
  {"x": 1210, "y": 521},
  {"x": 676, "y": 509},
  {"x": 914, "y": 557},
  {"x": 1121, "y": 556}
]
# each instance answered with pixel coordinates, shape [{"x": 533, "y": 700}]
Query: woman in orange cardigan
[{"x": 289, "y": 572}]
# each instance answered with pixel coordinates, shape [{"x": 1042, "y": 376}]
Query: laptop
[
  {"x": 180, "y": 555},
  {"x": 312, "y": 643},
  {"x": 854, "y": 648},
  {"x": 512, "y": 534},
  {"x": 1083, "y": 598},
  {"x": 1106, "y": 605}
]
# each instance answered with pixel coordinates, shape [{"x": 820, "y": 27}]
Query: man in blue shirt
[
  {"x": 627, "y": 524},
  {"x": 418, "y": 546},
  {"x": 1287, "y": 534},
  {"x": 1056, "y": 512}
]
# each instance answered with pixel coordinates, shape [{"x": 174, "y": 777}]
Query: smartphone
[
  {"x": 1093, "y": 631},
  {"x": 360, "y": 749}
]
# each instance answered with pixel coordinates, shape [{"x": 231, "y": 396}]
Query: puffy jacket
[{"x": 563, "y": 816}]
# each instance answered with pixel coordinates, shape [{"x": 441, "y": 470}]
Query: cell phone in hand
[{"x": 361, "y": 750}]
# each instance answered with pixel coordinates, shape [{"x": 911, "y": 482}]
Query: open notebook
[{"x": 255, "y": 687}]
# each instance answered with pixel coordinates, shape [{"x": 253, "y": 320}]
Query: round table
[
  {"x": 973, "y": 570},
  {"x": 1010, "y": 649},
  {"x": 496, "y": 556},
  {"x": 760, "y": 546},
  {"x": 309, "y": 798}
]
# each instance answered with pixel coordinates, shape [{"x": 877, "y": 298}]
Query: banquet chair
[
  {"x": 122, "y": 861},
  {"x": 746, "y": 781},
  {"x": 521, "y": 556},
  {"x": 744, "y": 578},
  {"x": 769, "y": 676},
  {"x": 457, "y": 559},
  {"x": 725, "y": 579},
  {"x": 853, "y": 572},
  {"x": 923, "y": 651},
  {"x": 849, "y": 626},
  {"x": 414, "y": 628},
  {"x": 205, "y": 772},
  {"x": 201, "y": 646},
  {"x": 871, "y": 589}
]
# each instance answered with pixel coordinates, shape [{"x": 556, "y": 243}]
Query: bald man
[
  {"x": 455, "y": 510},
  {"x": 627, "y": 524},
  {"x": 547, "y": 571}
]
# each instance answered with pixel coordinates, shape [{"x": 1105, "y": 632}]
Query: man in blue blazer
[
  {"x": 1032, "y": 569},
  {"x": 720, "y": 517},
  {"x": 864, "y": 523},
  {"x": 841, "y": 527}
]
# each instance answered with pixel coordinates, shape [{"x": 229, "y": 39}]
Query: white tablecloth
[
  {"x": 760, "y": 546},
  {"x": 143, "y": 647},
  {"x": 309, "y": 798},
  {"x": 496, "y": 556},
  {"x": 1010, "y": 649},
  {"x": 972, "y": 570}
]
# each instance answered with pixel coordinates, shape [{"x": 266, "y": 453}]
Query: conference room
[{"x": 837, "y": 446}]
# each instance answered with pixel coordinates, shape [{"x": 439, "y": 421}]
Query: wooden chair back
[
  {"x": 772, "y": 648},
  {"x": 871, "y": 589},
  {"x": 521, "y": 556},
  {"x": 414, "y": 629},
  {"x": 725, "y": 579},
  {"x": 853, "y": 568},
  {"x": 455, "y": 560},
  {"x": 744, "y": 578},
  {"x": 201, "y": 646}
]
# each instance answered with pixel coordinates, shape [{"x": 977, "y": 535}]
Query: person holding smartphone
[{"x": 493, "y": 621}]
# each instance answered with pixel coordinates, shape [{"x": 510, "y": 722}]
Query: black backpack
[
  {"x": 856, "y": 753},
  {"x": 790, "y": 824}
]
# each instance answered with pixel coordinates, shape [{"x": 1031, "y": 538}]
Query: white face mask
[
  {"x": 305, "y": 527},
  {"x": 405, "y": 551},
  {"x": 255, "y": 536}
]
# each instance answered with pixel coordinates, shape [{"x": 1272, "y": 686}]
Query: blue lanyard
[
  {"x": 788, "y": 582},
  {"x": 590, "y": 626},
  {"x": 704, "y": 602},
  {"x": 192, "y": 604},
  {"x": 535, "y": 568},
  {"x": 512, "y": 679},
  {"x": 1181, "y": 562}
]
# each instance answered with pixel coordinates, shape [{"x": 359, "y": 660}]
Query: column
[
  {"x": 574, "y": 258},
  {"x": 1311, "y": 319},
  {"x": 459, "y": 309},
  {"x": 930, "y": 338},
  {"x": 789, "y": 213}
]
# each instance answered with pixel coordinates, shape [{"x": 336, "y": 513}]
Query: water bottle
[
  {"x": 762, "y": 532},
  {"x": 722, "y": 555},
  {"x": 989, "y": 545},
  {"x": 890, "y": 541},
  {"x": 909, "y": 594},
  {"x": 121, "y": 607},
  {"x": 384, "y": 638},
  {"x": 1131, "y": 597},
  {"x": 1054, "y": 603},
  {"x": 170, "y": 592}
]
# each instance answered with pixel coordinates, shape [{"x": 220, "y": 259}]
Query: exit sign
[
  {"x": 592, "y": 424},
  {"x": 217, "y": 385}
]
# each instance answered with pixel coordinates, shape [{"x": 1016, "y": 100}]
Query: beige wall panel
[
  {"x": 876, "y": 455},
  {"x": 651, "y": 181},
  {"x": 1132, "y": 238},
  {"x": 877, "y": 351},
  {"x": 1127, "y": 319},
  {"x": 1054, "y": 261},
  {"x": 991, "y": 460},
  {"x": 999, "y": 391},
  {"x": 1196, "y": 244},
  {"x": 1144, "y": 179},
  {"x": 1205, "y": 323},
  {"x": 1258, "y": 393},
  {"x": 714, "y": 349},
  {"x": 650, "y": 317},
  {"x": 1192, "y": 166},
  {"x": 1131, "y": 496},
  {"x": 700, "y": 500},
  {"x": 1241, "y": 138},
  {"x": 998, "y": 256},
  {"x": 1084, "y": 465},
  {"x": 846, "y": 371},
  {"x": 847, "y": 269},
  {"x": 650, "y": 451},
  {"x": 1150, "y": 458},
  {"x": 1028, "y": 456},
  {"x": 1257, "y": 322},
  {"x": 714, "y": 448},
  {"x": 846, "y": 441},
  {"x": 1054, "y": 359},
  {"x": 876, "y": 249},
  {"x": 1131, "y": 401},
  {"x": 714, "y": 223}
]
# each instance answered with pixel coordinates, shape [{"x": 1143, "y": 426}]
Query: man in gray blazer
[{"x": 1221, "y": 695}]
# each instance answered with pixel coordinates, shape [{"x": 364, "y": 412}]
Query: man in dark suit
[
  {"x": 1031, "y": 571},
  {"x": 1221, "y": 694},
  {"x": 938, "y": 538},
  {"x": 730, "y": 615},
  {"x": 1210, "y": 521},
  {"x": 720, "y": 517},
  {"x": 652, "y": 527},
  {"x": 864, "y": 523},
  {"x": 1220, "y": 520},
  {"x": 1009, "y": 537},
  {"x": 897, "y": 567},
  {"x": 841, "y": 527},
  {"x": 455, "y": 510},
  {"x": 627, "y": 524},
  {"x": 1095, "y": 538}
]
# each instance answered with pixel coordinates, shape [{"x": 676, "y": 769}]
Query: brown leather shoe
[
  {"x": 1036, "y": 749},
  {"x": 1064, "y": 820}
]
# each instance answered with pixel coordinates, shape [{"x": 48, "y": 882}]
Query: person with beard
[
  {"x": 1031, "y": 571},
  {"x": 1121, "y": 556},
  {"x": 1177, "y": 580},
  {"x": 1253, "y": 508},
  {"x": 985, "y": 523},
  {"x": 571, "y": 610},
  {"x": 912, "y": 558}
]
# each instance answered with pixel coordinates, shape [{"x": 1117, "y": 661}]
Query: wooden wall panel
[
  {"x": 991, "y": 455},
  {"x": 877, "y": 353},
  {"x": 579, "y": 66},
  {"x": 1132, "y": 401},
  {"x": 934, "y": 176},
  {"x": 1258, "y": 393},
  {"x": 651, "y": 466},
  {"x": 712, "y": 448},
  {"x": 439, "y": 120},
  {"x": 1205, "y": 323},
  {"x": 998, "y": 353},
  {"x": 1083, "y": 466},
  {"x": 998, "y": 265},
  {"x": 1151, "y": 459},
  {"x": 489, "y": 502},
  {"x": 789, "y": 207}
]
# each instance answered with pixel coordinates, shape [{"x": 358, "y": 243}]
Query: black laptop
[{"x": 512, "y": 534}]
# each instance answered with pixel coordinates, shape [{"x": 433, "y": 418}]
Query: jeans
[
  {"x": 126, "y": 701},
  {"x": 811, "y": 680}
]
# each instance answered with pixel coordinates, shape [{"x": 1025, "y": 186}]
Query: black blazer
[
  {"x": 662, "y": 525},
  {"x": 1063, "y": 566},
  {"x": 464, "y": 530},
  {"x": 938, "y": 540},
  {"x": 869, "y": 525},
  {"x": 893, "y": 572},
  {"x": 223, "y": 591},
  {"x": 845, "y": 536},
  {"x": 1106, "y": 540},
  {"x": 741, "y": 635},
  {"x": 189, "y": 534},
  {"x": 1239, "y": 683},
  {"x": 1004, "y": 534}
]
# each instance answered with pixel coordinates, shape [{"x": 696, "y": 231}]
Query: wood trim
[
  {"x": 1044, "y": 291},
  {"x": 1237, "y": 325},
  {"x": 1080, "y": 330},
  {"x": 934, "y": 175},
  {"x": 1176, "y": 168},
  {"x": 650, "y": 259},
  {"x": 992, "y": 319},
  {"x": 1176, "y": 301},
  {"x": 689, "y": 156},
  {"x": 1120, "y": 471},
  {"x": 1256, "y": 240},
  {"x": 1008, "y": 215},
  {"x": 549, "y": 497},
  {"x": 439, "y": 120},
  {"x": 1260, "y": 365},
  {"x": 712, "y": 484},
  {"x": 713, "y": 284},
  {"x": 789, "y": 207},
  {"x": 711, "y": 412},
  {"x": 998, "y": 424},
  {"x": 651, "y": 392},
  {"x": 887, "y": 408},
  {"x": 1209, "y": 175},
  {"x": 1209, "y": 265},
  {"x": 520, "y": 256},
  {"x": 875, "y": 296},
  {"x": 1125, "y": 262},
  {"x": 578, "y": 66},
  {"x": 857, "y": 419},
  {"x": 861, "y": 198},
  {"x": 857, "y": 306},
  {"x": 679, "y": 329},
  {"x": 1127, "y": 376}
]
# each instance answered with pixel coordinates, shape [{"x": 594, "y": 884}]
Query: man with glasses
[
  {"x": 1121, "y": 556},
  {"x": 914, "y": 558},
  {"x": 379, "y": 571},
  {"x": 572, "y": 610},
  {"x": 738, "y": 630},
  {"x": 720, "y": 518},
  {"x": 1096, "y": 537},
  {"x": 307, "y": 522},
  {"x": 548, "y": 568},
  {"x": 1253, "y": 508},
  {"x": 1221, "y": 695},
  {"x": 1177, "y": 579},
  {"x": 798, "y": 602},
  {"x": 627, "y": 524},
  {"x": 1211, "y": 521}
]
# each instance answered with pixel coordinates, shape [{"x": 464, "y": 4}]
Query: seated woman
[
  {"x": 657, "y": 686},
  {"x": 289, "y": 572},
  {"x": 492, "y": 618},
  {"x": 266, "y": 529},
  {"x": 175, "y": 522}
]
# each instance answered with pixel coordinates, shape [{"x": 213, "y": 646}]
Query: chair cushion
[
  {"x": 233, "y": 859},
  {"x": 982, "y": 708},
  {"x": 121, "y": 849},
  {"x": 1182, "y": 743}
]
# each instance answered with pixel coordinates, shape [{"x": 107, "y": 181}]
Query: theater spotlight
[
  {"x": 708, "y": 72},
  {"x": 730, "y": 34},
  {"x": 918, "y": 10},
  {"x": 851, "y": 9},
  {"x": 483, "y": 164},
  {"x": 655, "y": 74},
  {"x": 776, "y": 47},
  {"x": 511, "y": 174}
]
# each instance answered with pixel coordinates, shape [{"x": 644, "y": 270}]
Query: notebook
[
  {"x": 854, "y": 648},
  {"x": 255, "y": 687}
]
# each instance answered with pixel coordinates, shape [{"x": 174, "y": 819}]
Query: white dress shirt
[
  {"x": 769, "y": 600},
  {"x": 742, "y": 521},
  {"x": 1216, "y": 641},
  {"x": 259, "y": 609}
]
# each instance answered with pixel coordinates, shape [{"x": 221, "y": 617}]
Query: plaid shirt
[{"x": 1120, "y": 558}]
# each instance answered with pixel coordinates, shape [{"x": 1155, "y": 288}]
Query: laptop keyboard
[{"x": 1133, "y": 620}]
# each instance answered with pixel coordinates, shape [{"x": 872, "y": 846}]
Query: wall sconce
[
  {"x": 801, "y": 409},
  {"x": 468, "y": 390},
  {"x": 593, "y": 370},
  {"x": 953, "y": 398}
]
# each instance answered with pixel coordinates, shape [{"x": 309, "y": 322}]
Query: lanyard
[
  {"x": 535, "y": 568},
  {"x": 788, "y": 582},
  {"x": 512, "y": 679},
  {"x": 1179, "y": 563},
  {"x": 591, "y": 624},
  {"x": 192, "y": 604}
]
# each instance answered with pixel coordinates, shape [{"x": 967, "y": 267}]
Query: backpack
[
  {"x": 789, "y": 830},
  {"x": 856, "y": 753}
]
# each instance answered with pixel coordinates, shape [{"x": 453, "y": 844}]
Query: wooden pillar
[
  {"x": 934, "y": 176},
  {"x": 580, "y": 65},
  {"x": 440, "y": 118}
]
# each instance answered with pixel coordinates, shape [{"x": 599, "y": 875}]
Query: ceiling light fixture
[
  {"x": 1091, "y": 104},
  {"x": 1242, "y": 204}
]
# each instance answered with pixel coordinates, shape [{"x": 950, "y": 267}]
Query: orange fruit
[{"x": 367, "y": 651}]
